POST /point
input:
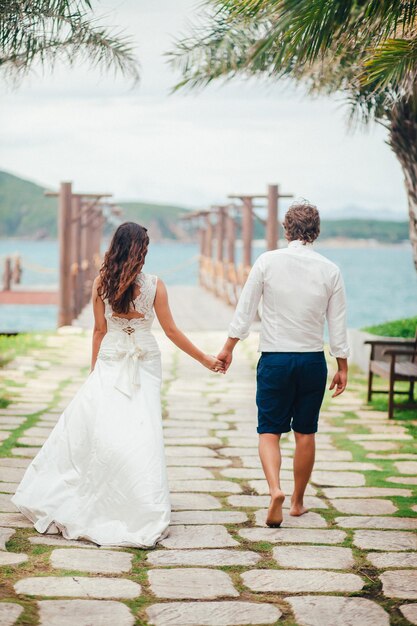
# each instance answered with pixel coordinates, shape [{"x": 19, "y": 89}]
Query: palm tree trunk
[{"x": 403, "y": 141}]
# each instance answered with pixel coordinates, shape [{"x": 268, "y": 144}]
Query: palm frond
[
  {"x": 392, "y": 62},
  {"x": 47, "y": 30}
]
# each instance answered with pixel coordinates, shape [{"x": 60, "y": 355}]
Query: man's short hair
[{"x": 302, "y": 221}]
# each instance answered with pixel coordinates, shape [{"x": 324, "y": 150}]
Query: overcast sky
[{"x": 143, "y": 144}]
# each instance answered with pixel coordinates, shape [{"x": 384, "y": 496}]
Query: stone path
[{"x": 351, "y": 560}]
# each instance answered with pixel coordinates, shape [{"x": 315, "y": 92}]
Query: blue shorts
[{"x": 290, "y": 391}]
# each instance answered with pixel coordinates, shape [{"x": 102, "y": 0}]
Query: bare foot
[
  {"x": 297, "y": 509},
  {"x": 274, "y": 517}
]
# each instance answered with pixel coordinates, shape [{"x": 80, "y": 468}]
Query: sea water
[{"x": 381, "y": 282}]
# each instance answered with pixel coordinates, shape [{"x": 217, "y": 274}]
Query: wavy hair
[
  {"x": 302, "y": 221},
  {"x": 122, "y": 263}
]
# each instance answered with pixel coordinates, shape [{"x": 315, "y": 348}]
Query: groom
[{"x": 300, "y": 290}]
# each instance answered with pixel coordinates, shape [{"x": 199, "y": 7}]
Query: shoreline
[{"x": 330, "y": 242}]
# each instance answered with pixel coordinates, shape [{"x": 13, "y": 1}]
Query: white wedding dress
[{"x": 101, "y": 474}]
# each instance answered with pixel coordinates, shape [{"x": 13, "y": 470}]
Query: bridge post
[
  {"x": 247, "y": 233},
  {"x": 64, "y": 236},
  {"x": 76, "y": 254},
  {"x": 272, "y": 232}
]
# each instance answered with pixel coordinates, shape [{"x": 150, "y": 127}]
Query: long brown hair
[{"x": 122, "y": 263}]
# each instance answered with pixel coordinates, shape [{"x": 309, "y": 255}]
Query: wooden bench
[{"x": 395, "y": 360}]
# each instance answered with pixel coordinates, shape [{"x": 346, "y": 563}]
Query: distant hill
[{"x": 26, "y": 212}]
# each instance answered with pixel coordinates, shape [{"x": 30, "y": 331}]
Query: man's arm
[
  {"x": 339, "y": 348},
  {"x": 245, "y": 312}
]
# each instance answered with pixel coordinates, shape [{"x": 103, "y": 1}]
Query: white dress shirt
[{"x": 300, "y": 289}]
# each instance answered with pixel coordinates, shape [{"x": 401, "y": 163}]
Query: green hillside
[
  {"x": 387, "y": 232},
  {"x": 162, "y": 220},
  {"x": 26, "y": 212}
]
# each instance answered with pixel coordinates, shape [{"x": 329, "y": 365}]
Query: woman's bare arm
[
  {"x": 100, "y": 323},
  {"x": 177, "y": 337}
]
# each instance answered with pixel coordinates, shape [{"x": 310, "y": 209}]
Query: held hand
[
  {"x": 212, "y": 363},
  {"x": 339, "y": 381},
  {"x": 225, "y": 356}
]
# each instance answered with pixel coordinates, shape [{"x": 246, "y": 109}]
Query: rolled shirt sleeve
[
  {"x": 248, "y": 302},
  {"x": 336, "y": 320}
]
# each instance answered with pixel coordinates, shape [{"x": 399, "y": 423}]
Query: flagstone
[
  {"x": 98, "y": 561},
  {"x": 12, "y": 420},
  {"x": 337, "y": 611},
  {"x": 202, "y": 423},
  {"x": 12, "y": 462},
  {"x": 5, "y": 535},
  {"x": 59, "y": 540},
  {"x": 185, "y": 433},
  {"x": 410, "y": 612},
  {"x": 194, "y": 501},
  {"x": 385, "y": 540},
  {"x": 297, "y": 581},
  {"x": 6, "y": 505},
  {"x": 5, "y": 434},
  {"x": 12, "y": 558},
  {"x": 38, "y": 431},
  {"x": 399, "y": 584},
  {"x": 406, "y": 467},
  {"x": 308, "y": 520},
  {"x": 214, "y": 486},
  {"x": 361, "y": 506},
  {"x": 84, "y": 613},
  {"x": 184, "y": 473},
  {"x": 379, "y": 437},
  {"x": 220, "y": 613},
  {"x": 11, "y": 474},
  {"x": 25, "y": 451},
  {"x": 14, "y": 519},
  {"x": 8, "y": 487},
  {"x": 393, "y": 523},
  {"x": 364, "y": 492},
  {"x": 32, "y": 441},
  {"x": 204, "y": 536},
  {"x": 208, "y": 517},
  {"x": 183, "y": 451},
  {"x": 9, "y": 613},
  {"x": 393, "y": 457},
  {"x": 192, "y": 461},
  {"x": 345, "y": 466},
  {"x": 193, "y": 441},
  {"x": 244, "y": 501},
  {"x": 293, "y": 535},
  {"x": 349, "y": 479},
  {"x": 261, "y": 487},
  {"x": 78, "y": 586},
  {"x": 193, "y": 583},
  {"x": 213, "y": 556},
  {"x": 314, "y": 557},
  {"x": 378, "y": 445},
  {"x": 402, "y": 480},
  {"x": 382, "y": 560}
]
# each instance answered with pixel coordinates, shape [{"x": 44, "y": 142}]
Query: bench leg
[
  {"x": 370, "y": 379},
  {"x": 411, "y": 392}
]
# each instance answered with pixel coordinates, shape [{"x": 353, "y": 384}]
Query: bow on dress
[{"x": 129, "y": 374}]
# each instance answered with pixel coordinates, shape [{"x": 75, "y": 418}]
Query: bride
[{"x": 101, "y": 474}]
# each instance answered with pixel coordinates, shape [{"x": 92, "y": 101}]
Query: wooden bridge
[{"x": 81, "y": 217}]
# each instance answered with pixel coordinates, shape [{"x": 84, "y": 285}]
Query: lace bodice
[{"x": 142, "y": 304}]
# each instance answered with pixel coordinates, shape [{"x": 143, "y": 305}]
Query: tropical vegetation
[
  {"x": 41, "y": 32},
  {"x": 363, "y": 50}
]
